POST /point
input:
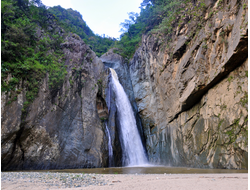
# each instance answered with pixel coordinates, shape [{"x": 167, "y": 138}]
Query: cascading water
[
  {"x": 131, "y": 142},
  {"x": 110, "y": 147}
]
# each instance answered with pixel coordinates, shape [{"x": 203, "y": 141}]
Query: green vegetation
[
  {"x": 220, "y": 123},
  {"x": 103, "y": 119},
  {"x": 204, "y": 46},
  {"x": 244, "y": 99},
  {"x": 31, "y": 42},
  {"x": 31, "y": 36},
  {"x": 237, "y": 121},
  {"x": 220, "y": 3},
  {"x": 232, "y": 132},
  {"x": 153, "y": 13},
  {"x": 160, "y": 18},
  {"x": 223, "y": 106},
  {"x": 25, "y": 56},
  {"x": 71, "y": 21},
  {"x": 99, "y": 83},
  {"x": 230, "y": 78}
]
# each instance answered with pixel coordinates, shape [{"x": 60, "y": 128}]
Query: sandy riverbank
[{"x": 133, "y": 181}]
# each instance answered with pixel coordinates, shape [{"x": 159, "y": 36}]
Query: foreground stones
[
  {"x": 29, "y": 181},
  {"x": 54, "y": 180}
]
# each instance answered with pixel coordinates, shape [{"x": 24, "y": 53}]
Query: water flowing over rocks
[
  {"x": 116, "y": 62},
  {"x": 132, "y": 148}
]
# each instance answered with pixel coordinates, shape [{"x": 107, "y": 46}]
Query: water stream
[
  {"x": 110, "y": 147},
  {"x": 134, "y": 154}
]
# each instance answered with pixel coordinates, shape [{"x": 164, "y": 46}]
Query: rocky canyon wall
[
  {"x": 192, "y": 93},
  {"x": 65, "y": 128},
  {"x": 62, "y": 128}
]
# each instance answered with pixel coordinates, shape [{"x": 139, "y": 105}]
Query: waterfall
[
  {"x": 132, "y": 147},
  {"x": 110, "y": 147}
]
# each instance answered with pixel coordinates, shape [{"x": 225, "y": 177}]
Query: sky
[{"x": 102, "y": 16}]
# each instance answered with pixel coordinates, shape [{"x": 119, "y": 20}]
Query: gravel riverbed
[
  {"x": 81, "y": 181},
  {"x": 60, "y": 180}
]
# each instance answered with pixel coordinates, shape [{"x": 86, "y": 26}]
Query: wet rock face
[
  {"x": 63, "y": 128},
  {"x": 190, "y": 95}
]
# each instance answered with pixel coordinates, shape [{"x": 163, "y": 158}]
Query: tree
[{"x": 128, "y": 23}]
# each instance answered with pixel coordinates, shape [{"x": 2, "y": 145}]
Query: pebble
[{"x": 64, "y": 180}]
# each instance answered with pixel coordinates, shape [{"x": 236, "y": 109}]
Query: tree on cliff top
[{"x": 153, "y": 12}]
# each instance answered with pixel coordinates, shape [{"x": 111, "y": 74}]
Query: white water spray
[
  {"x": 131, "y": 141},
  {"x": 110, "y": 147}
]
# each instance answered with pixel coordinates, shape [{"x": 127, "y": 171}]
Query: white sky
[{"x": 102, "y": 16}]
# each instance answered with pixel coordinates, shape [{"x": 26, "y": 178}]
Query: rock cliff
[
  {"x": 65, "y": 127},
  {"x": 192, "y": 93},
  {"x": 62, "y": 128}
]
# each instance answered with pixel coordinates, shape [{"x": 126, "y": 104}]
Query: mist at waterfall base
[{"x": 132, "y": 148}]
